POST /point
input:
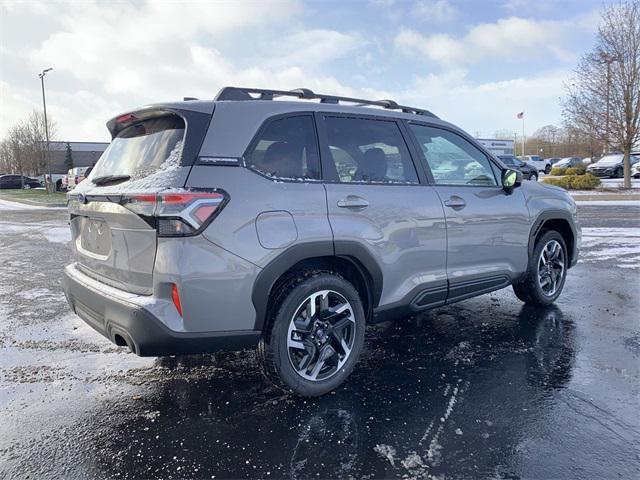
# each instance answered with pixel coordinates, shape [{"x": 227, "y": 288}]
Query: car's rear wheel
[
  {"x": 547, "y": 271},
  {"x": 547, "y": 169},
  {"x": 26, "y": 186},
  {"x": 533, "y": 176},
  {"x": 316, "y": 333}
]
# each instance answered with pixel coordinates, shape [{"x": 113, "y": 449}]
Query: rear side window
[
  {"x": 143, "y": 148},
  {"x": 287, "y": 148},
  {"x": 371, "y": 151}
]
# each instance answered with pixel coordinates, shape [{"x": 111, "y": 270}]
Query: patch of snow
[
  {"x": 386, "y": 451},
  {"x": 620, "y": 244},
  {"x": 610, "y": 203},
  {"x": 7, "y": 205},
  {"x": 57, "y": 234}
]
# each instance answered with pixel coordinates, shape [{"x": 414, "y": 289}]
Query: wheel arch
[
  {"x": 349, "y": 259},
  {"x": 560, "y": 221}
]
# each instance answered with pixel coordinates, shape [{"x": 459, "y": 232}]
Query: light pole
[{"x": 46, "y": 127}]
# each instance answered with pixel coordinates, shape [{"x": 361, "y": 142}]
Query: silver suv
[{"x": 249, "y": 221}]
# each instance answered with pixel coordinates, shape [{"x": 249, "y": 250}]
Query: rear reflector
[{"x": 175, "y": 296}]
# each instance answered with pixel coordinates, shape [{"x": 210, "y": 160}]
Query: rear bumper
[{"x": 122, "y": 318}]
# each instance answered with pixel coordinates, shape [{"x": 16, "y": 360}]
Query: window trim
[
  {"x": 256, "y": 139},
  {"x": 492, "y": 163},
  {"x": 326, "y": 159}
]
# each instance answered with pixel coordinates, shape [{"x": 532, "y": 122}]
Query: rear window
[{"x": 143, "y": 148}]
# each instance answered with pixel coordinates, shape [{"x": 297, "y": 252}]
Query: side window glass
[
  {"x": 287, "y": 149},
  {"x": 452, "y": 159},
  {"x": 372, "y": 151}
]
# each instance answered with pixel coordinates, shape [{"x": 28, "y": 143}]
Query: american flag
[{"x": 520, "y": 115}]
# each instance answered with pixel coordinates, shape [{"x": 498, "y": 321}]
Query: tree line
[{"x": 24, "y": 149}]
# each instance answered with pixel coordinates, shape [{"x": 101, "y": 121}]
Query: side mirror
[{"x": 511, "y": 179}]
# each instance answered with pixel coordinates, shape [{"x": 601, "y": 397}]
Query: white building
[{"x": 498, "y": 147}]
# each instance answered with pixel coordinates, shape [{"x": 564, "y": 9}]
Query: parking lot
[{"x": 484, "y": 388}]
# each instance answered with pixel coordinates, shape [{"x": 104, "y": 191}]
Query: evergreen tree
[{"x": 68, "y": 160}]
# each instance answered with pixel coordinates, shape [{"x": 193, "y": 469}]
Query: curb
[{"x": 607, "y": 197}]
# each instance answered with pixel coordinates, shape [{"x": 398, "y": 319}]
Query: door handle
[
  {"x": 353, "y": 201},
  {"x": 455, "y": 202}
]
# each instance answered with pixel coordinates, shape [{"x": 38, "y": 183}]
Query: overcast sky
[{"x": 476, "y": 63}]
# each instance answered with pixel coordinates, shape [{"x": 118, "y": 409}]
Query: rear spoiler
[{"x": 122, "y": 121}]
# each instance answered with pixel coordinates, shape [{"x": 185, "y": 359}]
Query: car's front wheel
[
  {"x": 533, "y": 176},
  {"x": 316, "y": 333},
  {"x": 547, "y": 271},
  {"x": 547, "y": 169}
]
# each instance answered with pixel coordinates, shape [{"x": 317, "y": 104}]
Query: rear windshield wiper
[{"x": 109, "y": 179}]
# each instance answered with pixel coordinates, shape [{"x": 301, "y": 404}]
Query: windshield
[
  {"x": 611, "y": 159},
  {"x": 141, "y": 149}
]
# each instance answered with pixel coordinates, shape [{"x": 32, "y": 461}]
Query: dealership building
[
  {"x": 84, "y": 154},
  {"x": 498, "y": 147}
]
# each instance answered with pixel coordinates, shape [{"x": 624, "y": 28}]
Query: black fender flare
[
  {"x": 554, "y": 214},
  {"x": 352, "y": 251}
]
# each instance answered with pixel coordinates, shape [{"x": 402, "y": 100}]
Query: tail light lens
[
  {"x": 175, "y": 296},
  {"x": 178, "y": 213}
]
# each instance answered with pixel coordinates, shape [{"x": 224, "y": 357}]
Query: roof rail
[{"x": 238, "y": 93}]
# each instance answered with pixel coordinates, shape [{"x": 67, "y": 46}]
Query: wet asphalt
[{"x": 487, "y": 388}]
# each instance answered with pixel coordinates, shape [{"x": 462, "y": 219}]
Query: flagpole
[{"x": 523, "y": 134}]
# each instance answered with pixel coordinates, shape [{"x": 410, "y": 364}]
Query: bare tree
[
  {"x": 603, "y": 99},
  {"x": 24, "y": 150}
]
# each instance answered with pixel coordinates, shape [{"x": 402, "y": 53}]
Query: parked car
[
  {"x": 553, "y": 160},
  {"x": 16, "y": 181},
  {"x": 528, "y": 171},
  {"x": 568, "y": 162},
  {"x": 635, "y": 170},
  {"x": 541, "y": 164},
  {"x": 58, "y": 180},
  {"x": 287, "y": 226},
  {"x": 587, "y": 160},
  {"x": 611, "y": 165},
  {"x": 76, "y": 175}
]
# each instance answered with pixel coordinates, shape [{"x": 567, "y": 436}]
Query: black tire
[
  {"x": 529, "y": 289},
  {"x": 619, "y": 173},
  {"x": 547, "y": 169},
  {"x": 533, "y": 176},
  {"x": 273, "y": 351}
]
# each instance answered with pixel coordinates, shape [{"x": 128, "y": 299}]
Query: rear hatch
[{"x": 114, "y": 231}]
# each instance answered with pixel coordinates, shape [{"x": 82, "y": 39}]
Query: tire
[
  {"x": 286, "y": 327},
  {"x": 619, "y": 173},
  {"x": 547, "y": 169},
  {"x": 543, "y": 289},
  {"x": 533, "y": 177},
  {"x": 26, "y": 186}
]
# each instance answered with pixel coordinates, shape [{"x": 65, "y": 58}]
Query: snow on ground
[
  {"x": 619, "y": 244},
  {"x": 9, "y": 205},
  {"x": 610, "y": 203},
  {"x": 51, "y": 232}
]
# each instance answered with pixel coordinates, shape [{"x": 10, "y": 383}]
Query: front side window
[
  {"x": 452, "y": 159},
  {"x": 287, "y": 148},
  {"x": 370, "y": 151}
]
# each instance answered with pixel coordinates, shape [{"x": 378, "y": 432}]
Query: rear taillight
[{"x": 178, "y": 213}]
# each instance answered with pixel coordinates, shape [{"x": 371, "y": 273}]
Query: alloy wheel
[
  {"x": 321, "y": 335},
  {"x": 551, "y": 267}
]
